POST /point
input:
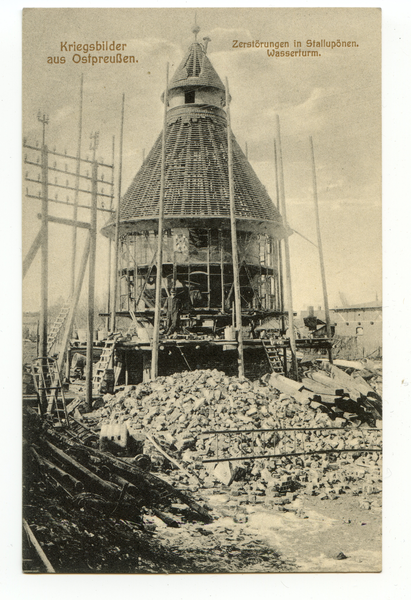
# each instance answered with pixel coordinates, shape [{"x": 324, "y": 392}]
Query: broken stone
[
  {"x": 315, "y": 405},
  {"x": 222, "y": 472},
  {"x": 179, "y": 407}
]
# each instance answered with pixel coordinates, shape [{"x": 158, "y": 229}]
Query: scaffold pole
[
  {"x": 236, "y": 273},
  {"x": 157, "y": 309}
]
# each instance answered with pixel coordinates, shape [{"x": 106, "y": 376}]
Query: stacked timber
[{"x": 88, "y": 475}]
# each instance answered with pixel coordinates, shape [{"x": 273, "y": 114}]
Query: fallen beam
[
  {"x": 291, "y": 454},
  {"x": 148, "y": 483},
  {"x": 169, "y": 521},
  {"x": 93, "y": 480},
  {"x": 58, "y": 473},
  {"x": 168, "y": 457},
  {"x": 38, "y": 548}
]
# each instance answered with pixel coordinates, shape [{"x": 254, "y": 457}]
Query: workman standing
[
  {"x": 173, "y": 307},
  {"x": 78, "y": 364}
]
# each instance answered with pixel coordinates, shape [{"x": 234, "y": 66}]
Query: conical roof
[
  {"x": 196, "y": 70},
  {"x": 196, "y": 167}
]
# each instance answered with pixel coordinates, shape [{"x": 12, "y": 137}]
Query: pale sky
[{"x": 334, "y": 98}]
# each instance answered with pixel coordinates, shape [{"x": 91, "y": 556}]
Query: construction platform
[{"x": 261, "y": 356}]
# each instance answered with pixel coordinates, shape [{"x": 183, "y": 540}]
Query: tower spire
[{"x": 196, "y": 28}]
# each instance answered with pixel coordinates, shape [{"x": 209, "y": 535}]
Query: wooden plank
[
  {"x": 116, "y": 233},
  {"x": 71, "y": 222},
  {"x": 73, "y": 305},
  {"x": 38, "y": 548},
  {"x": 320, "y": 250},
  {"x": 109, "y": 240},
  {"x": 167, "y": 456},
  {"x": 287, "y": 257},
  {"x": 32, "y": 251}
]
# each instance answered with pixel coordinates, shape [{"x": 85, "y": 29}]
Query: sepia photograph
[{"x": 202, "y": 290}]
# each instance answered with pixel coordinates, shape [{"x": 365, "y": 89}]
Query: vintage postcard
[{"x": 202, "y": 290}]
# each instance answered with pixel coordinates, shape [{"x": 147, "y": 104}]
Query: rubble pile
[{"x": 176, "y": 418}]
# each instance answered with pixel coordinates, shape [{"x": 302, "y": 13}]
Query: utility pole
[
  {"x": 236, "y": 272},
  {"x": 91, "y": 274},
  {"x": 44, "y": 247},
  {"x": 76, "y": 193},
  {"x": 45, "y": 239},
  {"x": 159, "y": 269},
  {"x": 41, "y": 241}
]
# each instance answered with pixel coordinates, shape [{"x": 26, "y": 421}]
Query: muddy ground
[{"x": 307, "y": 535}]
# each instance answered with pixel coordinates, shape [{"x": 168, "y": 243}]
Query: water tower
[{"x": 197, "y": 249}]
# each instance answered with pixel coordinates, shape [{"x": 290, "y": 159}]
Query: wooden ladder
[
  {"x": 48, "y": 386},
  {"x": 104, "y": 363},
  {"x": 57, "y": 326},
  {"x": 274, "y": 357}
]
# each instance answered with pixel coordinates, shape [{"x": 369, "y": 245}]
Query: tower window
[{"x": 189, "y": 97}]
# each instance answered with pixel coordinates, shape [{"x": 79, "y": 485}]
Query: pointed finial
[{"x": 196, "y": 28}]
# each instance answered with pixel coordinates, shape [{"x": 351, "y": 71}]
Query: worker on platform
[
  {"x": 196, "y": 297},
  {"x": 173, "y": 308},
  {"x": 150, "y": 292}
]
